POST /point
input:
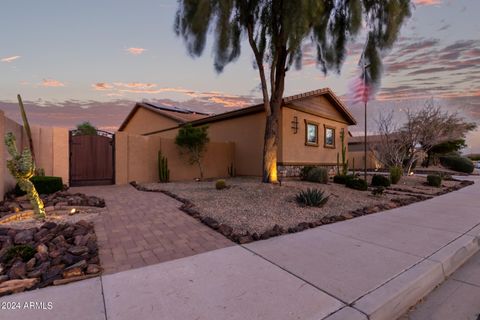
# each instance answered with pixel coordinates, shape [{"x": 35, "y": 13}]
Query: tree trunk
[{"x": 270, "y": 146}]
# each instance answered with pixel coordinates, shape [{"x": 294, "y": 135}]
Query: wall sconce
[{"x": 295, "y": 125}]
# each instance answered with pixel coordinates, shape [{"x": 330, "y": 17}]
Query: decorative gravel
[{"x": 249, "y": 205}]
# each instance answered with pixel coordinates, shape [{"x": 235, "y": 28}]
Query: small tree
[
  {"x": 86, "y": 129},
  {"x": 390, "y": 150},
  {"x": 193, "y": 141}
]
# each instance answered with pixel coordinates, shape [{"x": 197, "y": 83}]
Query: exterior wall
[
  {"x": 359, "y": 157},
  {"x": 136, "y": 159},
  {"x": 246, "y": 133},
  {"x": 51, "y": 148},
  {"x": 294, "y": 150},
  {"x": 144, "y": 121}
]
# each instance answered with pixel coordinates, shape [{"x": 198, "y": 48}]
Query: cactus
[
  {"x": 353, "y": 166},
  {"x": 163, "y": 171},
  {"x": 26, "y": 126},
  {"x": 22, "y": 168},
  {"x": 344, "y": 154},
  {"x": 338, "y": 164},
  {"x": 231, "y": 170}
]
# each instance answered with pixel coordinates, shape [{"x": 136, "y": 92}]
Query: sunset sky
[{"x": 91, "y": 60}]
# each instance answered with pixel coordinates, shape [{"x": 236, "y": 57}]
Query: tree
[
  {"x": 446, "y": 147},
  {"x": 429, "y": 126},
  {"x": 193, "y": 141},
  {"x": 86, "y": 129},
  {"x": 277, "y": 30},
  {"x": 390, "y": 150}
]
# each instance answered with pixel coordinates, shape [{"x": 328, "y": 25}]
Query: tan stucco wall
[
  {"x": 145, "y": 121},
  {"x": 137, "y": 159},
  {"x": 295, "y": 152},
  {"x": 50, "y": 145},
  {"x": 359, "y": 157},
  {"x": 246, "y": 133}
]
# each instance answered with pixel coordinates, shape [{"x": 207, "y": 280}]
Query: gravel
[{"x": 249, "y": 205}]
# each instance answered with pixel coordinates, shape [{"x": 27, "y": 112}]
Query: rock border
[{"x": 242, "y": 238}]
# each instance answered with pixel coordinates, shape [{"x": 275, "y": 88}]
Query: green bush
[
  {"x": 396, "y": 173},
  {"x": 317, "y": 174},
  {"x": 378, "y": 191},
  {"x": 43, "y": 185},
  {"x": 23, "y": 251},
  {"x": 379, "y": 180},
  {"x": 220, "y": 184},
  {"x": 434, "y": 180},
  {"x": 457, "y": 163},
  {"x": 305, "y": 171},
  {"x": 342, "y": 179},
  {"x": 357, "y": 184},
  {"x": 311, "y": 197}
]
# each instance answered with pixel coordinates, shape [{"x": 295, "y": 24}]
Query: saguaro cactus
[
  {"x": 22, "y": 168},
  {"x": 163, "y": 171},
  {"x": 344, "y": 153}
]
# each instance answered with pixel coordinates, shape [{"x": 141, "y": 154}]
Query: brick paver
[{"x": 143, "y": 228}]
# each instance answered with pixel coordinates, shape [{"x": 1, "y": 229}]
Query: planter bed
[
  {"x": 51, "y": 254},
  {"x": 249, "y": 210}
]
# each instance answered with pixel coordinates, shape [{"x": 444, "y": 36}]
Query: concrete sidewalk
[{"x": 375, "y": 266}]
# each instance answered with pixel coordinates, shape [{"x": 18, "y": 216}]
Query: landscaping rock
[
  {"x": 62, "y": 252},
  {"x": 78, "y": 250},
  {"x": 18, "y": 270},
  {"x": 212, "y": 223},
  {"x": 23, "y": 237},
  {"x": 93, "y": 268},
  {"x": 225, "y": 230}
]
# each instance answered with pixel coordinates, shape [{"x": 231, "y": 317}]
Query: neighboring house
[
  {"x": 356, "y": 152},
  {"x": 309, "y": 134}
]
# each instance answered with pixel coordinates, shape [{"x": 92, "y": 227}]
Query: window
[
  {"x": 329, "y": 137},
  {"x": 311, "y": 133}
]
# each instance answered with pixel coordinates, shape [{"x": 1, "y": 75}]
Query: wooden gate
[{"x": 92, "y": 158}]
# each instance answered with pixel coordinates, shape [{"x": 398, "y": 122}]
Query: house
[
  {"x": 356, "y": 152},
  {"x": 310, "y": 126}
]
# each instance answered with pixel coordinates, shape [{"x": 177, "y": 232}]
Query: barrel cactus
[{"x": 22, "y": 168}]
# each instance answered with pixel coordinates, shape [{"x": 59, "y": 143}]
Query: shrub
[
  {"x": 457, "y": 163},
  {"x": 379, "y": 180},
  {"x": 43, "y": 185},
  {"x": 434, "y": 180},
  {"x": 357, "y": 184},
  {"x": 305, "y": 171},
  {"x": 317, "y": 174},
  {"x": 341, "y": 179},
  {"x": 220, "y": 184},
  {"x": 312, "y": 197},
  {"x": 378, "y": 191},
  {"x": 396, "y": 173},
  {"x": 23, "y": 251}
]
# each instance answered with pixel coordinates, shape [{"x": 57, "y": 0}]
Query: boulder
[
  {"x": 18, "y": 270},
  {"x": 23, "y": 237}
]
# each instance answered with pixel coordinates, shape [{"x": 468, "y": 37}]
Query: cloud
[
  {"x": 101, "y": 86},
  {"x": 427, "y": 2},
  {"x": 52, "y": 83},
  {"x": 136, "y": 51},
  {"x": 10, "y": 59}
]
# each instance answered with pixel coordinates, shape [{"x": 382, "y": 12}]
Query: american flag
[{"x": 361, "y": 91}]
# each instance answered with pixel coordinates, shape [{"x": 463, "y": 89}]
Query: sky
[{"x": 75, "y": 61}]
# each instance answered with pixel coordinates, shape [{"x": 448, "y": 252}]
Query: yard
[{"x": 255, "y": 209}]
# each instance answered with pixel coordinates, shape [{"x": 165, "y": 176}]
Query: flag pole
[{"x": 365, "y": 100}]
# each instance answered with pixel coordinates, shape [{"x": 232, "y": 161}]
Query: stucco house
[{"x": 310, "y": 127}]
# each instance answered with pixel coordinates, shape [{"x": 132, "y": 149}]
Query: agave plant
[{"x": 312, "y": 197}]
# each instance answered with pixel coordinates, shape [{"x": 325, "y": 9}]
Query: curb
[{"x": 395, "y": 297}]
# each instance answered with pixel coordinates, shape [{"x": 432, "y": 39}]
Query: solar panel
[{"x": 171, "y": 108}]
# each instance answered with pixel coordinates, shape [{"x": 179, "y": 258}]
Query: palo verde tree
[
  {"x": 277, "y": 30},
  {"x": 193, "y": 142}
]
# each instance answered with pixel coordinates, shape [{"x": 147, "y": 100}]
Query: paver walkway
[
  {"x": 144, "y": 228},
  {"x": 374, "y": 266}
]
